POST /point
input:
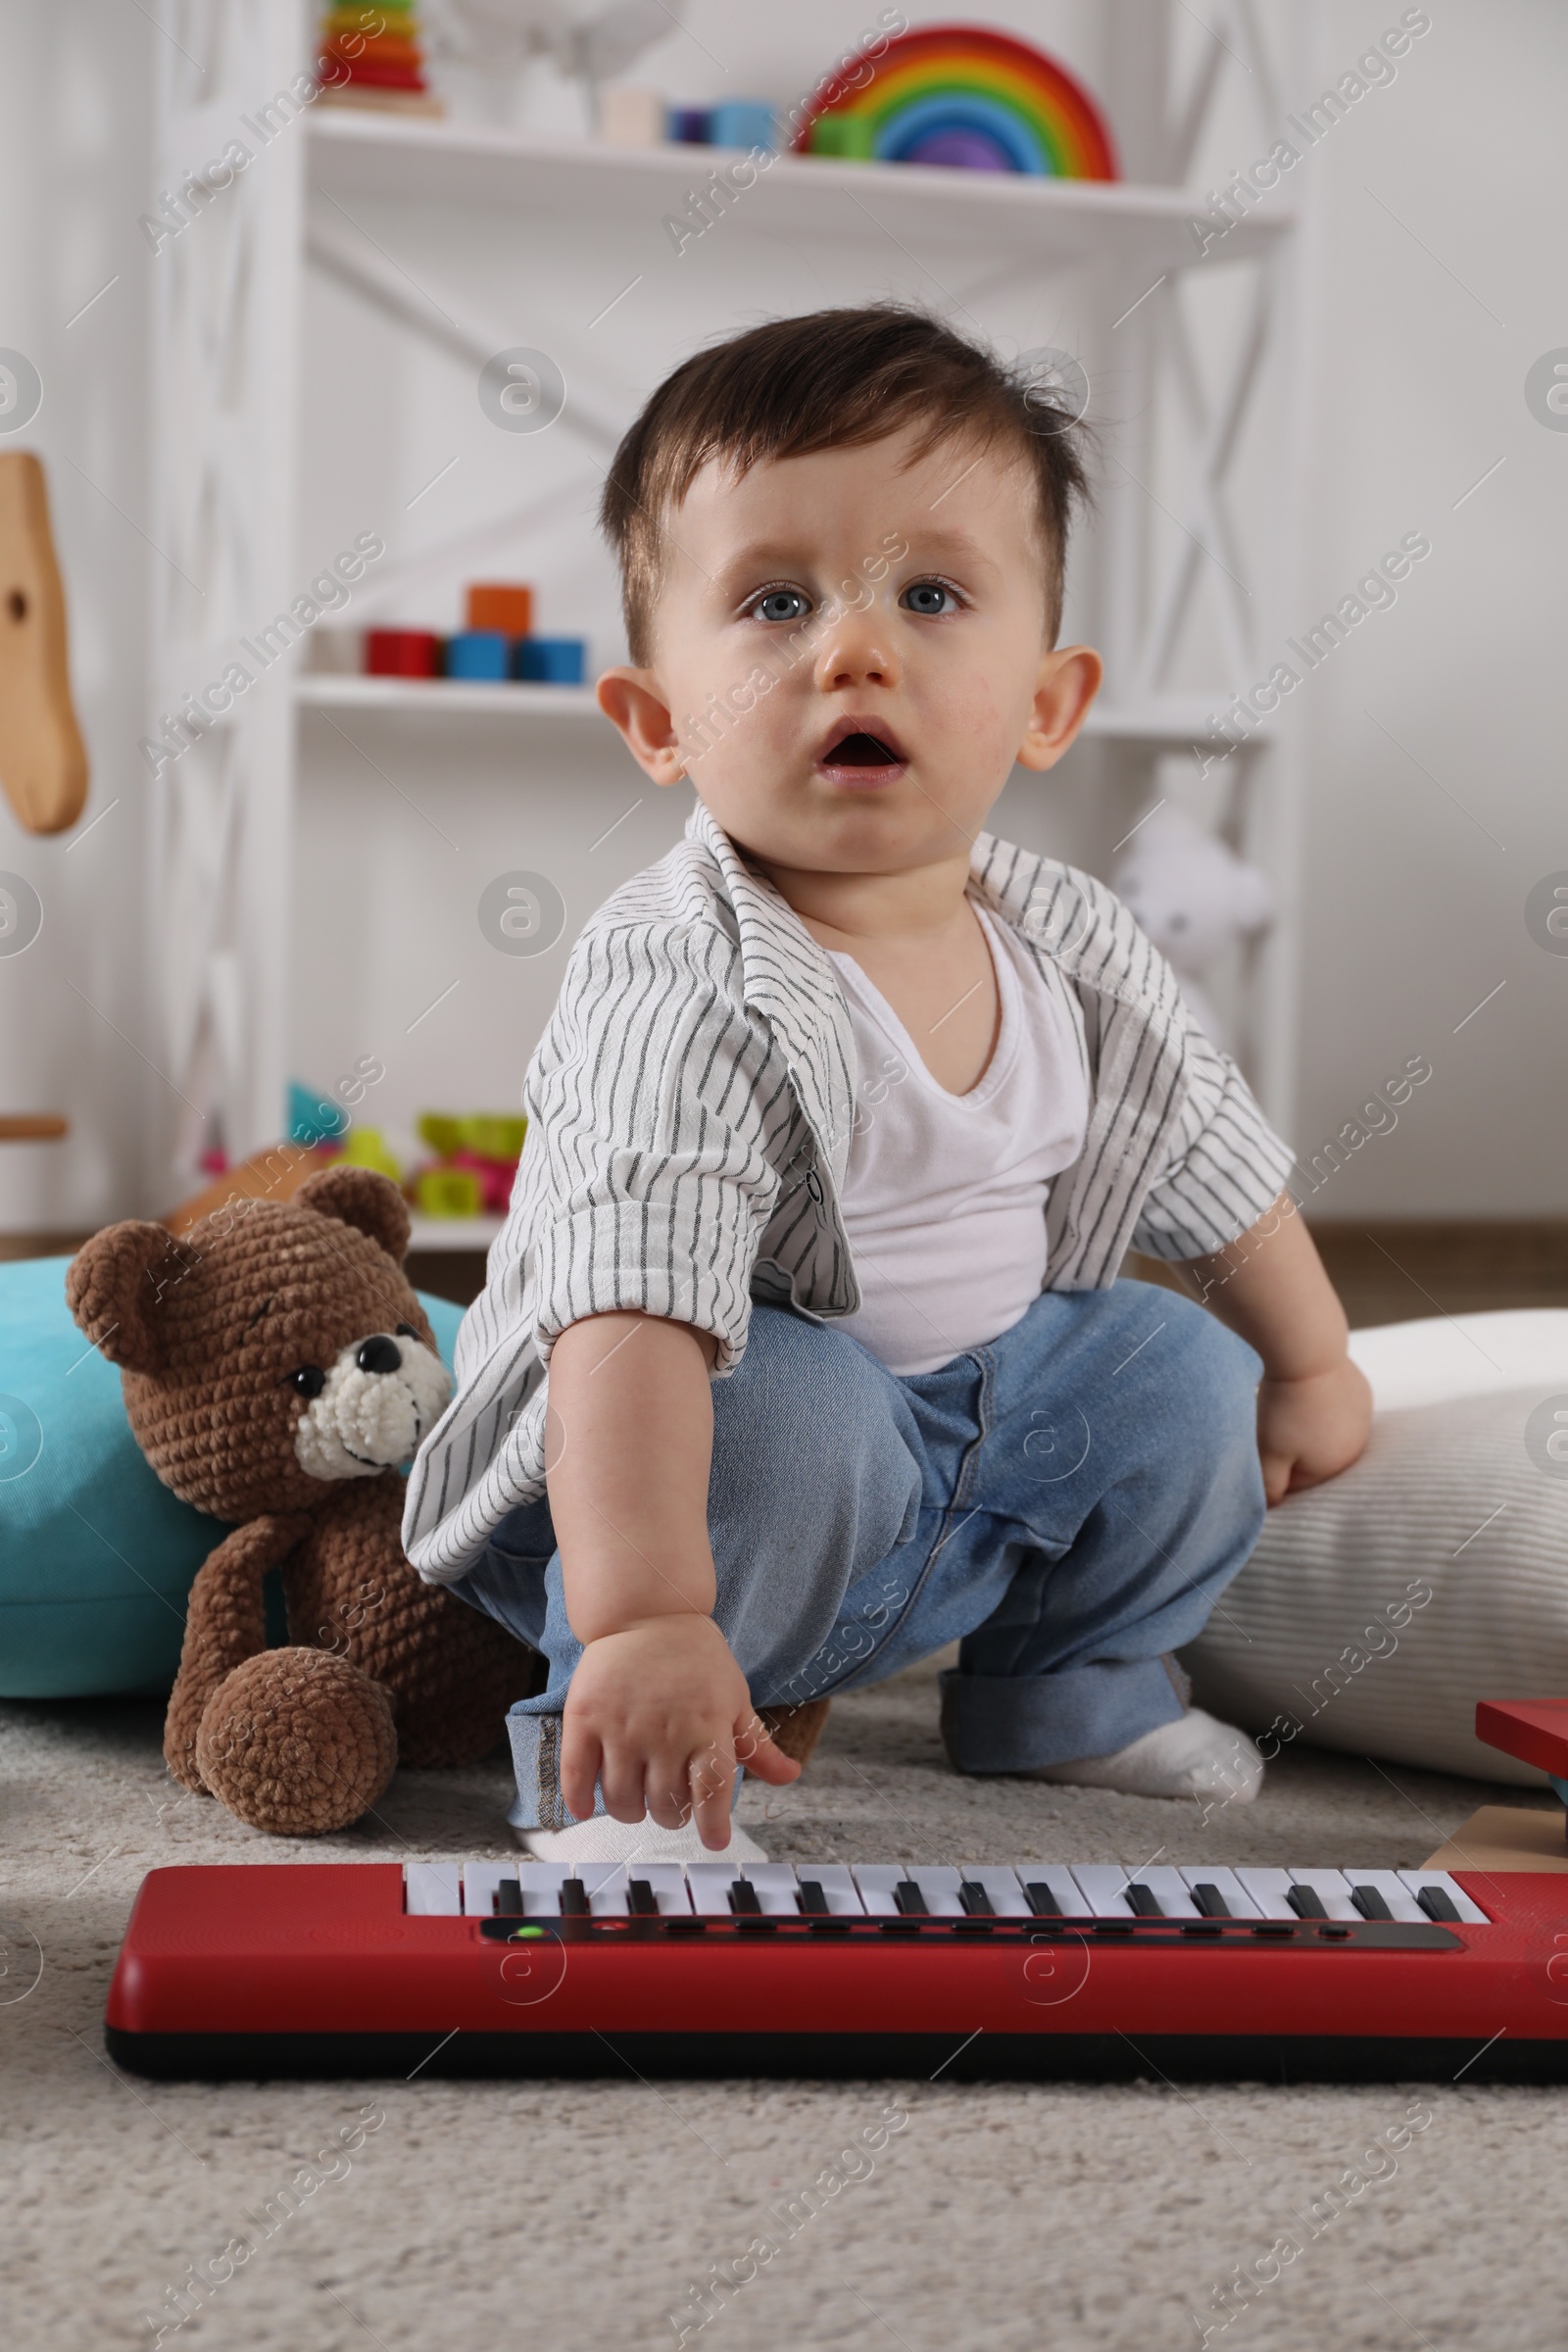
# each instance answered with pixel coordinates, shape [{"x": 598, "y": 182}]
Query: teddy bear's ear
[
  {"x": 359, "y": 1197},
  {"x": 116, "y": 1285}
]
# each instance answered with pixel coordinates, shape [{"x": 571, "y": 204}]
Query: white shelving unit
[
  {"x": 442, "y": 236},
  {"x": 1175, "y": 720}
]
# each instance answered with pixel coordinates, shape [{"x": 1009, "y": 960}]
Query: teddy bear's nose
[{"x": 378, "y": 1353}]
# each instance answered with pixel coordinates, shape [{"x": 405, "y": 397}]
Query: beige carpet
[{"x": 577, "y": 2217}]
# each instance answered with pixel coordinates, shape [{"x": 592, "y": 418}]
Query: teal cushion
[{"x": 96, "y": 1556}]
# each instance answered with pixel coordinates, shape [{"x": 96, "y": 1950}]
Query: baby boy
[{"x": 844, "y": 1119}]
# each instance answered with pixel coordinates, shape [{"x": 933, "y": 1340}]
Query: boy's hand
[
  {"x": 659, "y": 1714},
  {"x": 1311, "y": 1427}
]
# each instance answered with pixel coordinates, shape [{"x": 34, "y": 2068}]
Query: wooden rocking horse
[{"x": 43, "y": 766}]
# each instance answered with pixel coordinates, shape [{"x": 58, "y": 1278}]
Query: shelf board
[
  {"x": 454, "y": 1233},
  {"x": 1176, "y": 720},
  {"x": 444, "y": 697},
  {"x": 1003, "y": 214}
]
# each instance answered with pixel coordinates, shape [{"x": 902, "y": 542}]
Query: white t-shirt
[{"x": 945, "y": 1199}]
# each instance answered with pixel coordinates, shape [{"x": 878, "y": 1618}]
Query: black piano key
[
  {"x": 977, "y": 1905},
  {"x": 1370, "y": 1902},
  {"x": 1306, "y": 1902},
  {"x": 1145, "y": 1903},
  {"x": 641, "y": 1900},
  {"x": 1210, "y": 1903},
  {"x": 744, "y": 1899},
  {"x": 509, "y": 1899},
  {"x": 812, "y": 1899},
  {"x": 1042, "y": 1902},
  {"x": 910, "y": 1901},
  {"x": 1439, "y": 1904},
  {"x": 573, "y": 1899}
]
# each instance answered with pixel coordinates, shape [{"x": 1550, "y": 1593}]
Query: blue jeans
[{"x": 1067, "y": 1503}]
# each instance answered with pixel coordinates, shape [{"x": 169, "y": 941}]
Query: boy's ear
[
  {"x": 1068, "y": 683},
  {"x": 634, "y": 699}
]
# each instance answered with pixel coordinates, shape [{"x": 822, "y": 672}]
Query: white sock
[
  {"x": 1195, "y": 1756},
  {"x": 606, "y": 1840}
]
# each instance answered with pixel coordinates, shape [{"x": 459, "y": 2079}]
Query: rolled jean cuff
[
  {"x": 536, "y": 1761},
  {"x": 1012, "y": 1723}
]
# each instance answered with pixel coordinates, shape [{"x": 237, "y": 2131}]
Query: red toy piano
[{"x": 1037, "y": 1969}]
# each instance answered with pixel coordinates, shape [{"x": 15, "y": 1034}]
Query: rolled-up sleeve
[
  {"x": 647, "y": 1138},
  {"x": 645, "y": 1181},
  {"x": 1226, "y": 1166}
]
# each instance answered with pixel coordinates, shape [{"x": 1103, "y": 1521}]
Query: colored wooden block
[
  {"x": 744, "y": 123},
  {"x": 402, "y": 653},
  {"x": 631, "y": 117},
  {"x": 551, "y": 661},
  {"x": 501, "y": 604},
  {"x": 447, "y": 1193},
  {"x": 482, "y": 655}
]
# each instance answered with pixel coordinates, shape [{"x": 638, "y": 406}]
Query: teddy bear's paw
[{"x": 297, "y": 1741}]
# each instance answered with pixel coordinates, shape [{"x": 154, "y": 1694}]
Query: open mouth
[{"x": 860, "y": 748}]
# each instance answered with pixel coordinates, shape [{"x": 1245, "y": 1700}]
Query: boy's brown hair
[{"x": 829, "y": 379}]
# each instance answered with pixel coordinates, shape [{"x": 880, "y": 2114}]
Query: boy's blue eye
[
  {"x": 927, "y": 597},
  {"x": 781, "y": 604}
]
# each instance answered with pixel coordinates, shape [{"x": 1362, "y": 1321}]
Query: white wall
[
  {"x": 1452, "y": 702},
  {"x": 1409, "y": 912},
  {"x": 74, "y": 84}
]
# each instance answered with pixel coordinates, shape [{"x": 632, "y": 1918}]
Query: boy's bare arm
[
  {"x": 1315, "y": 1407},
  {"x": 658, "y": 1709}
]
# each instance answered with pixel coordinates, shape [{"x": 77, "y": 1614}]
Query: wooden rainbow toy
[{"x": 962, "y": 96}]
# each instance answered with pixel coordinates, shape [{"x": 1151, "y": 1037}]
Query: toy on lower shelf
[
  {"x": 482, "y": 655},
  {"x": 496, "y": 645},
  {"x": 551, "y": 661},
  {"x": 474, "y": 1167},
  {"x": 402, "y": 653}
]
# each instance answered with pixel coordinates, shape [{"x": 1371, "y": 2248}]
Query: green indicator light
[{"x": 523, "y": 1934}]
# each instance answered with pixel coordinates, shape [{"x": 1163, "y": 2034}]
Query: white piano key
[
  {"x": 1266, "y": 1890},
  {"x": 1003, "y": 1887},
  {"x": 1464, "y": 1905},
  {"x": 1334, "y": 1889},
  {"x": 432, "y": 1888},
  {"x": 609, "y": 1888},
  {"x": 876, "y": 1882},
  {"x": 1170, "y": 1889},
  {"x": 1060, "y": 1880},
  {"x": 1104, "y": 1887},
  {"x": 776, "y": 1888},
  {"x": 937, "y": 1882},
  {"x": 604, "y": 1883},
  {"x": 940, "y": 1885},
  {"x": 1394, "y": 1890},
  {"x": 839, "y": 1890},
  {"x": 541, "y": 1887},
  {"x": 709, "y": 1884},
  {"x": 479, "y": 1883},
  {"x": 1231, "y": 1890},
  {"x": 668, "y": 1883}
]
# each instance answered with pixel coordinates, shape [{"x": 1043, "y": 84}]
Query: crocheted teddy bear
[{"x": 277, "y": 1369}]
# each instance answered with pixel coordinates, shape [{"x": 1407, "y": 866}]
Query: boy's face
[{"x": 850, "y": 654}]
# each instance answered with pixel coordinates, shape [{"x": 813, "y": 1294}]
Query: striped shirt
[{"x": 690, "y": 1108}]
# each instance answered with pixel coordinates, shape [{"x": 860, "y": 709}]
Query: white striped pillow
[{"x": 1379, "y": 1607}]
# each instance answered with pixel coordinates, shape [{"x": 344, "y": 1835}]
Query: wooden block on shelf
[{"x": 1506, "y": 1837}]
